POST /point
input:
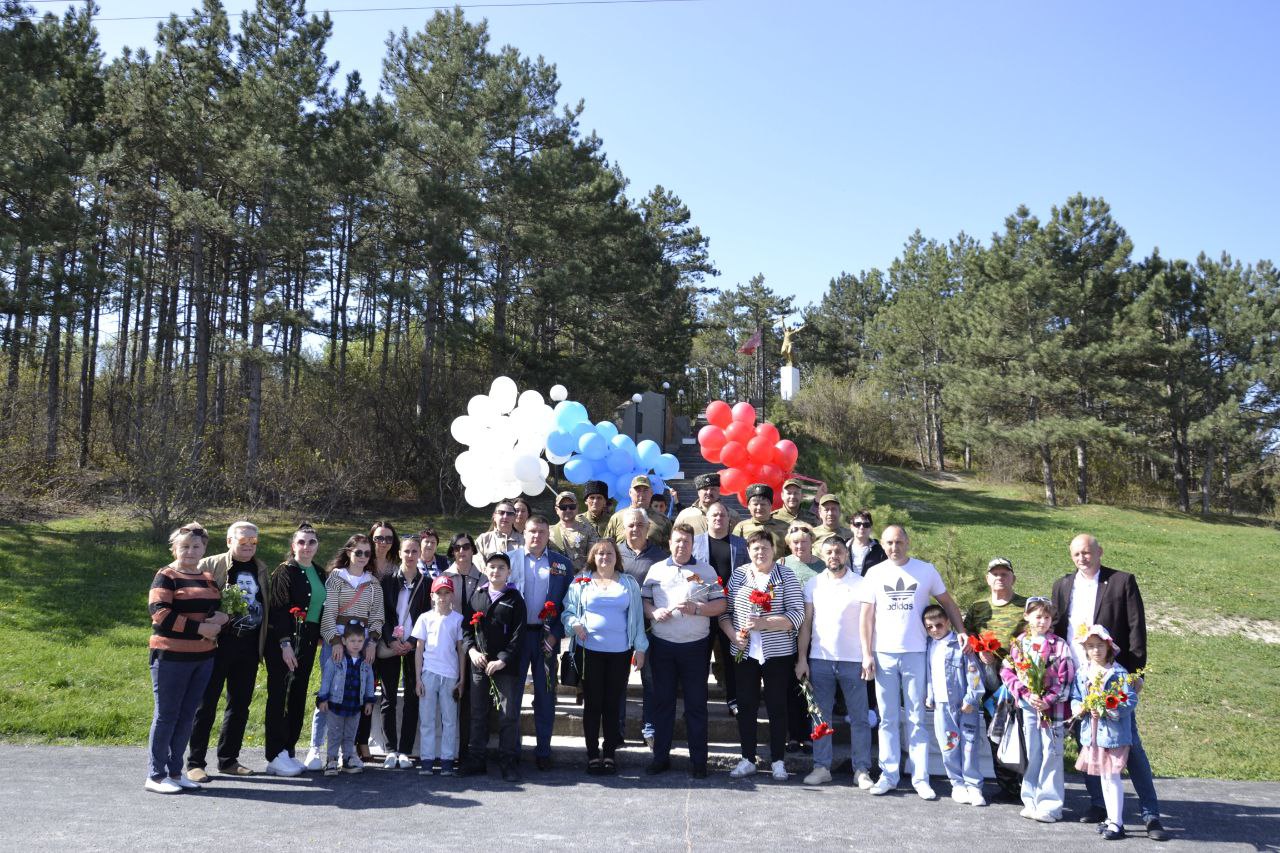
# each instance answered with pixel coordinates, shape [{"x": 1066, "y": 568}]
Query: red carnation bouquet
[
  {"x": 821, "y": 728},
  {"x": 761, "y": 601},
  {"x": 549, "y": 612},
  {"x": 476, "y": 619}
]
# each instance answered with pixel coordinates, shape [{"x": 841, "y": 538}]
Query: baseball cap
[
  {"x": 1000, "y": 563},
  {"x": 641, "y": 480},
  {"x": 440, "y": 583},
  {"x": 824, "y": 499}
]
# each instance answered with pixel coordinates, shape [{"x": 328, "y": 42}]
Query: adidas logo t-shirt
[{"x": 900, "y": 594}]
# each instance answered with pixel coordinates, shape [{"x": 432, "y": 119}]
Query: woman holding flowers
[
  {"x": 185, "y": 622},
  {"x": 765, "y": 610},
  {"x": 1104, "y": 699},
  {"x": 604, "y": 613},
  {"x": 296, "y": 601},
  {"x": 1039, "y": 673}
]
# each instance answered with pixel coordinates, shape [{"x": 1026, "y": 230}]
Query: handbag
[
  {"x": 571, "y": 666},
  {"x": 1011, "y": 752}
]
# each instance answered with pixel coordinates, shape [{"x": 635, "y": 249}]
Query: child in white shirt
[{"x": 440, "y": 667}]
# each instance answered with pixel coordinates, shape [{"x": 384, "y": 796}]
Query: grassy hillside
[{"x": 74, "y": 627}]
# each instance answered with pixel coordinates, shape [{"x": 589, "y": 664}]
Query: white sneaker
[
  {"x": 1028, "y": 812},
  {"x": 976, "y": 798},
  {"x": 1045, "y": 817},
  {"x": 164, "y": 786},
  {"x": 389, "y": 763},
  {"x": 779, "y": 771},
  {"x": 315, "y": 761},
  {"x": 331, "y": 767},
  {"x": 403, "y": 761},
  {"x": 297, "y": 765},
  {"x": 743, "y": 769},
  {"x": 925, "y": 792},
  {"x": 960, "y": 794},
  {"x": 881, "y": 787},
  {"x": 354, "y": 764},
  {"x": 185, "y": 783},
  {"x": 819, "y": 776},
  {"x": 283, "y": 765},
  {"x": 863, "y": 779}
]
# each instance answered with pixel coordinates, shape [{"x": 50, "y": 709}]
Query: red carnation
[
  {"x": 1113, "y": 702},
  {"x": 582, "y": 579},
  {"x": 761, "y": 599},
  {"x": 476, "y": 617},
  {"x": 297, "y": 613},
  {"x": 820, "y": 731},
  {"x": 548, "y": 611}
]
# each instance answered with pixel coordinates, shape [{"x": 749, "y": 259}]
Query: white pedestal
[{"x": 789, "y": 380}]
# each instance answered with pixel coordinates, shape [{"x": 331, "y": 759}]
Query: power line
[{"x": 515, "y": 4}]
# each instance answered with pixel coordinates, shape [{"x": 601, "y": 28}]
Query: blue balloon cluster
[{"x": 599, "y": 452}]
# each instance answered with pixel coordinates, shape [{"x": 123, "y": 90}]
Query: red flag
[{"x": 751, "y": 345}]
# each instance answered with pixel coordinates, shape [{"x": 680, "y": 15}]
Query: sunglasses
[
  {"x": 504, "y": 512},
  {"x": 384, "y": 539},
  {"x": 360, "y": 552},
  {"x": 195, "y": 531},
  {"x": 861, "y": 524},
  {"x": 466, "y": 545},
  {"x": 306, "y": 543},
  {"x": 247, "y": 540},
  {"x": 568, "y": 506}
]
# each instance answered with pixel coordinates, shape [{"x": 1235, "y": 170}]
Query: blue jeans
[
  {"x": 437, "y": 703},
  {"x": 685, "y": 664},
  {"x": 1139, "y": 773},
  {"x": 544, "y": 700},
  {"x": 957, "y": 734},
  {"x": 178, "y": 687},
  {"x": 1043, "y": 780},
  {"x": 900, "y": 681},
  {"x": 825, "y": 675}
]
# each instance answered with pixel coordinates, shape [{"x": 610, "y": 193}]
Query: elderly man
[
  {"x": 569, "y": 536},
  {"x": 235, "y": 664},
  {"x": 760, "y": 505},
  {"x": 659, "y": 525},
  {"x": 541, "y": 576},
  {"x": 864, "y": 552},
  {"x": 830, "y": 654},
  {"x": 681, "y": 597},
  {"x": 724, "y": 552},
  {"x": 829, "y": 513},
  {"x": 708, "y": 486},
  {"x": 503, "y": 537},
  {"x": 595, "y": 494},
  {"x": 894, "y": 594},
  {"x": 1097, "y": 595},
  {"x": 639, "y": 554},
  {"x": 792, "y": 497},
  {"x": 1002, "y": 613}
]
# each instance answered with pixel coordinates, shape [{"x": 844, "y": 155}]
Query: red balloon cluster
[{"x": 750, "y": 453}]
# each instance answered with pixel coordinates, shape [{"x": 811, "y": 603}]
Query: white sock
[{"x": 1113, "y": 797}]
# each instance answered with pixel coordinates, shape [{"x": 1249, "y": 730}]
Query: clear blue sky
[{"x": 809, "y": 138}]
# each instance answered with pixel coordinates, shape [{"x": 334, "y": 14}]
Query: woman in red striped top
[{"x": 185, "y": 622}]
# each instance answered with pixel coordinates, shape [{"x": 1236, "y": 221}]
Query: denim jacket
[
  {"x": 574, "y": 611},
  {"x": 964, "y": 676},
  {"x": 1107, "y": 733},
  {"x": 333, "y": 679}
]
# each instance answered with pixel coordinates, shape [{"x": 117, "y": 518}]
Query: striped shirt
[
  {"x": 178, "y": 603},
  {"x": 343, "y": 602},
  {"x": 788, "y": 601}
]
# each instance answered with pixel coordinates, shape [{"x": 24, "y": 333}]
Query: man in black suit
[{"x": 1096, "y": 595}]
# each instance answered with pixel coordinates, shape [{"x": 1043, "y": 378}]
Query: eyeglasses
[
  {"x": 247, "y": 540},
  {"x": 504, "y": 512},
  {"x": 862, "y": 524},
  {"x": 359, "y": 552},
  {"x": 384, "y": 539},
  {"x": 306, "y": 543}
]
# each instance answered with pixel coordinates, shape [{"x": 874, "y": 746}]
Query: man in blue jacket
[{"x": 541, "y": 576}]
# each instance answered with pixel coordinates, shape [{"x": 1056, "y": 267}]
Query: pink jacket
[{"x": 1059, "y": 674}]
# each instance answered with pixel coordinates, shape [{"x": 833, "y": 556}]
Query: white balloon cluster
[{"x": 505, "y": 432}]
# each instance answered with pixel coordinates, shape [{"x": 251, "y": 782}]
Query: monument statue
[{"x": 787, "y": 335}]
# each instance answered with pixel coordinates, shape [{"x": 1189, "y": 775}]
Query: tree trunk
[
  {"x": 1082, "y": 472},
  {"x": 1046, "y": 470},
  {"x": 1180, "y": 466},
  {"x": 1206, "y": 479},
  {"x": 203, "y": 319},
  {"x": 21, "y": 279},
  {"x": 53, "y": 347}
]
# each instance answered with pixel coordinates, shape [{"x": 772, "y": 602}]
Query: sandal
[
  {"x": 610, "y": 768},
  {"x": 595, "y": 767}
]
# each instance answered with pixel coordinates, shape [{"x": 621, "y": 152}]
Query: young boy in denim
[
  {"x": 954, "y": 691},
  {"x": 346, "y": 688}
]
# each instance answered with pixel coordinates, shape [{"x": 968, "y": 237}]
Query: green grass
[
  {"x": 74, "y": 623},
  {"x": 74, "y": 626}
]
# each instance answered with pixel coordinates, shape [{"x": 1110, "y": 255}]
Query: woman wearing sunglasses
[
  {"x": 296, "y": 587},
  {"x": 864, "y": 552},
  {"x": 386, "y": 550}
]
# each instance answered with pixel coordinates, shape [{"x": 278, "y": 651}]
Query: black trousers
[
  {"x": 797, "y": 711},
  {"x": 724, "y": 659},
  {"x": 604, "y": 685},
  {"x": 776, "y": 673},
  {"x": 287, "y": 705},
  {"x": 235, "y": 668},
  {"x": 390, "y": 672}
]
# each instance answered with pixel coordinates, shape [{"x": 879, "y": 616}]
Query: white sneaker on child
[
  {"x": 331, "y": 767},
  {"x": 976, "y": 798},
  {"x": 162, "y": 786},
  {"x": 960, "y": 794},
  {"x": 314, "y": 760}
]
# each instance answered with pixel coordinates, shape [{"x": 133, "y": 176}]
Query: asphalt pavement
[{"x": 86, "y": 799}]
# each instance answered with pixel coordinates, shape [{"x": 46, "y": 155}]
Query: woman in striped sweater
[
  {"x": 185, "y": 622},
  {"x": 353, "y": 592},
  {"x": 766, "y": 607}
]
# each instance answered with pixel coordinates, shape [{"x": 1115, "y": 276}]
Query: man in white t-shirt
[
  {"x": 894, "y": 594},
  {"x": 830, "y": 653}
]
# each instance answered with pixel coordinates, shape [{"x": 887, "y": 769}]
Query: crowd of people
[{"x": 823, "y": 623}]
